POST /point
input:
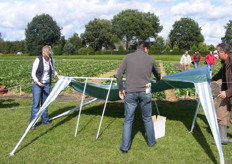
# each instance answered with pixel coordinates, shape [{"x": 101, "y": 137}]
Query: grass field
[{"x": 57, "y": 144}]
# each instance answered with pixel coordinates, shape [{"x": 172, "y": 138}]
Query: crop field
[{"x": 18, "y": 72}]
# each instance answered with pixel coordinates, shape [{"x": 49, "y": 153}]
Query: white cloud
[
  {"x": 202, "y": 9},
  {"x": 73, "y": 15},
  {"x": 213, "y": 33}
]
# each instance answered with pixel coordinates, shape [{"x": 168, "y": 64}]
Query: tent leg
[
  {"x": 83, "y": 94},
  {"x": 195, "y": 116},
  {"x": 71, "y": 110},
  {"x": 156, "y": 107},
  {"x": 104, "y": 109},
  {"x": 25, "y": 133}
]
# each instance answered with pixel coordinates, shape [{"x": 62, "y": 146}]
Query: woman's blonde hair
[{"x": 47, "y": 50}]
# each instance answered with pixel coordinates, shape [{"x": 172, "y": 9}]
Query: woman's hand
[{"x": 39, "y": 83}]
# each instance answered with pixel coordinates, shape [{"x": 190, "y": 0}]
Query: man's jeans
[
  {"x": 196, "y": 64},
  {"x": 210, "y": 67},
  {"x": 40, "y": 94},
  {"x": 130, "y": 104}
]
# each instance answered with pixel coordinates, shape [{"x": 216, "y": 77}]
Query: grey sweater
[{"x": 138, "y": 67}]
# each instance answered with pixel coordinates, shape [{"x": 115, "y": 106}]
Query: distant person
[
  {"x": 42, "y": 69},
  {"x": 225, "y": 73},
  {"x": 210, "y": 60},
  {"x": 185, "y": 60},
  {"x": 138, "y": 67},
  {"x": 196, "y": 59}
]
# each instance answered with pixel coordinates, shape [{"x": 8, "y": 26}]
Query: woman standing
[
  {"x": 210, "y": 60},
  {"x": 42, "y": 69}
]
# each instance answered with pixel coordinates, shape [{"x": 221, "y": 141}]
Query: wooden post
[{"x": 20, "y": 90}]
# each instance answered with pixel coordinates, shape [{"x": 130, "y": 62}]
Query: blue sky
[{"x": 73, "y": 15}]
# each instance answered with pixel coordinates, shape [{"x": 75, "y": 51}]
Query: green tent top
[{"x": 185, "y": 79}]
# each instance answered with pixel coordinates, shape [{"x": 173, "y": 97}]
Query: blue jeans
[
  {"x": 40, "y": 94},
  {"x": 196, "y": 64},
  {"x": 210, "y": 67},
  {"x": 130, "y": 104}
]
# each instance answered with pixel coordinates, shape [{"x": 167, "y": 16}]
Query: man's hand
[
  {"x": 222, "y": 95},
  {"x": 122, "y": 94}
]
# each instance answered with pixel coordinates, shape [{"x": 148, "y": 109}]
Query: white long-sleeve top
[
  {"x": 185, "y": 59},
  {"x": 45, "y": 76}
]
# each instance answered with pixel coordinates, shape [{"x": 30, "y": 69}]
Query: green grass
[{"x": 57, "y": 144}]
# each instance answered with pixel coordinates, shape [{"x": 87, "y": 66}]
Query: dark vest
[
  {"x": 197, "y": 57},
  {"x": 40, "y": 69}
]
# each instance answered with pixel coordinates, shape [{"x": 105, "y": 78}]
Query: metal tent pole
[
  {"x": 71, "y": 110},
  {"x": 83, "y": 94},
  {"x": 104, "y": 108},
  {"x": 195, "y": 116}
]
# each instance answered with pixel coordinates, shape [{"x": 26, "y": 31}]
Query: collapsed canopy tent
[{"x": 198, "y": 78}]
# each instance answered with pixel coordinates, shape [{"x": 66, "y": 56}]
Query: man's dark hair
[
  {"x": 224, "y": 47},
  {"x": 142, "y": 44}
]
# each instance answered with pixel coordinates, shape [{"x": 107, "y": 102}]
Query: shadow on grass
[
  {"x": 179, "y": 111},
  {"x": 184, "y": 111},
  {"x": 8, "y": 103},
  {"x": 70, "y": 116}
]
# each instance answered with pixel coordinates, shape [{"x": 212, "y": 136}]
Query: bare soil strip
[{"x": 170, "y": 94}]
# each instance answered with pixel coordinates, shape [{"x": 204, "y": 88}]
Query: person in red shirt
[
  {"x": 210, "y": 60},
  {"x": 196, "y": 59}
]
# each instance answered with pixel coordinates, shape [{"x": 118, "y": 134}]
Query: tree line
[{"x": 102, "y": 36}]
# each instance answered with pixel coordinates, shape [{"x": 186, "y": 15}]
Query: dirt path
[
  {"x": 106, "y": 75},
  {"x": 170, "y": 94}
]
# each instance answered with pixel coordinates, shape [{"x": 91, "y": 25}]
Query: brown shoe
[{"x": 49, "y": 124}]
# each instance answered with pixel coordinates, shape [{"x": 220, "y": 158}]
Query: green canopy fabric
[
  {"x": 97, "y": 90},
  {"x": 184, "y": 79}
]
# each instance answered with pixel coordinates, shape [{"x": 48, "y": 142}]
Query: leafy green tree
[
  {"x": 211, "y": 47},
  {"x": 167, "y": 49},
  {"x": 175, "y": 50},
  {"x": 90, "y": 50},
  {"x": 61, "y": 44},
  {"x": 159, "y": 44},
  {"x": 1, "y": 39},
  {"x": 203, "y": 47},
  {"x": 55, "y": 50},
  {"x": 185, "y": 33},
  {"x": 98, "y": 34},
  {"x": 228, "y": 34},
  {"x": 193, "y": 49},
  {"x": 69, "y": 48},
  {"x": 152, "y": 50},
  {"x": 76, "y": 41},
  {"x": 42, "y": 30},
  {"x": 132, "y": 25},
  {"x": 120, "y": 48},
  {"x": 82, "y": 51}
]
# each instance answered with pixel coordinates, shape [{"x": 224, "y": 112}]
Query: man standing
[
  {"x": 225, "y": 73},
  {"x": 138, "y": 67},
  {"x": 186, "y": 60},
  {"x": 210, "y": 60},
  {"x": 196, "y": 59}
]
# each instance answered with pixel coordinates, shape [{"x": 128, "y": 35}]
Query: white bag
[{"x": 159, "y": 125}]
